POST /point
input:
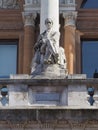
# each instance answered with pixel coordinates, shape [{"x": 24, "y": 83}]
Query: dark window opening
[
  {"x": 87, "y": 4},
  {"x": 89, "y": 57},
  {"x": 8, "y": 57}
]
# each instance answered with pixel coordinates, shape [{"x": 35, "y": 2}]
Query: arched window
[{"x": 87, "y": 4}]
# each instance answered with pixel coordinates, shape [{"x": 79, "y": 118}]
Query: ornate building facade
[
  {"x": 71, "y": 103},
  {"x": 20, "y": 25}
]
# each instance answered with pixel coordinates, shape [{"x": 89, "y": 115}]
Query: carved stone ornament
[
  {"x": 67, "y": 1},
  {"x": 50, "y": 125},
  {"x": 32, "y": 2},
  {"x": 70, "y": 18},
  {"x": 9, "y": 4},
  {"x": 49, "y": 60},
  {"x": 36, "y": 1},
  {"x": 60, "y": 1},
  {"x": 29, "y": 18}
]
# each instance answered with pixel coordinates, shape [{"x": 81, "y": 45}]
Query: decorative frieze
[
  {"x": 69, "y": 125},
  {"x": 67, "y": 1},
  {"x": 60, "y": 1},
  {"x": 70, "y": 18},
  {"x": 9, "y": 4},
  {"x": 32, "y": 2},
  {"x": 48, "y": 119},
  {"x": 64, "y": 5}
]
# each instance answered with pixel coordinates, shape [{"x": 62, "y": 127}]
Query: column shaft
[
  {"x": 28, "y": 48},
  {"x": 69, "y": 46},
  {"x": 78, "y": 52},
  {"x": 49, "y": 9},
  {"x": 69, "y": 40}
]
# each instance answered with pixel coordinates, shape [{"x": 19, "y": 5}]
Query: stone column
[
  {"x": 69, "y": 40},
  {"x": 28, "y": 41},
  {"x": 49, "y": 9},
  {"x": 78, "y": 52}
]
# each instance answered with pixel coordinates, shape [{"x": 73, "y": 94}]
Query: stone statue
[
  {"x": 48, "y": 54},
  {"x": 47, "y": 44}
]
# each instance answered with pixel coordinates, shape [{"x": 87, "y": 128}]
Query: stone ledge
[
  {"x": 48, "y": 107},
  {"x": 49, "y": 82}
]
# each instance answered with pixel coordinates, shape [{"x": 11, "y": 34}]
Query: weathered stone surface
[
  {"x": 49, "y": 115},
  {"x": 9, "y": 4},
  {"x": 77, "y": 96},
  {"x": 49, "y": 93},
  {"x": 19, "y": 76},
  {"x": 77, "y": 76},
  {"x": 18, "y": 95},
  {"x": 49, "y": 72}
]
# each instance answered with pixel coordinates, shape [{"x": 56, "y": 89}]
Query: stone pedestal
[
  {"x": 52, "y": 71},
  {"x": 67, "y": 93}
]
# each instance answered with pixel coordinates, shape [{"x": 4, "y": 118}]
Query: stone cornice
[
  {"x": 50, "y": 82},
  {"x": 34, "y": 5}
]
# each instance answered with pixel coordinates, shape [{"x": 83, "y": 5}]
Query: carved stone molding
[
  {"x": 60, "y": 1},
  {"x": 70, "y": 18},
  {"x": 29, "y": 19},
  {"x": 69, "y": 124},
  {"x": 64, "y": 5},
  {"x": 67, "y": 1},
  {"x": 16, "y": 125},
  {"x": 32, "y": 2},
  {"x": 9, "y": 4}
]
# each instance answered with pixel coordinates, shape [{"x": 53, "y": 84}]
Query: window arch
[{"x": 87, "y": 4}]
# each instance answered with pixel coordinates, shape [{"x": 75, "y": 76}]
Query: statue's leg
[
  {"x": 42, "y": 59},
  {"x": 43, "y": 48},
  {"x": 52, "y": 47}
]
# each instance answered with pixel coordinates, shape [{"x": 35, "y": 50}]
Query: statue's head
[
  {"x": 49, "y": 23},
  {"x": 49, "y": 20}
]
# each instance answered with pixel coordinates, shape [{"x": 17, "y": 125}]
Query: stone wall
[{"x": 49, "y": 119}]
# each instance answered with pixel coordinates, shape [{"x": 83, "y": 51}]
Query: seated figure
[
  {"x": 47, "y": 44},
  {"x": 47, "y": 50}
]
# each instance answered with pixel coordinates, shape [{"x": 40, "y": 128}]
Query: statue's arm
[{"x": 55, "y": 37}]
